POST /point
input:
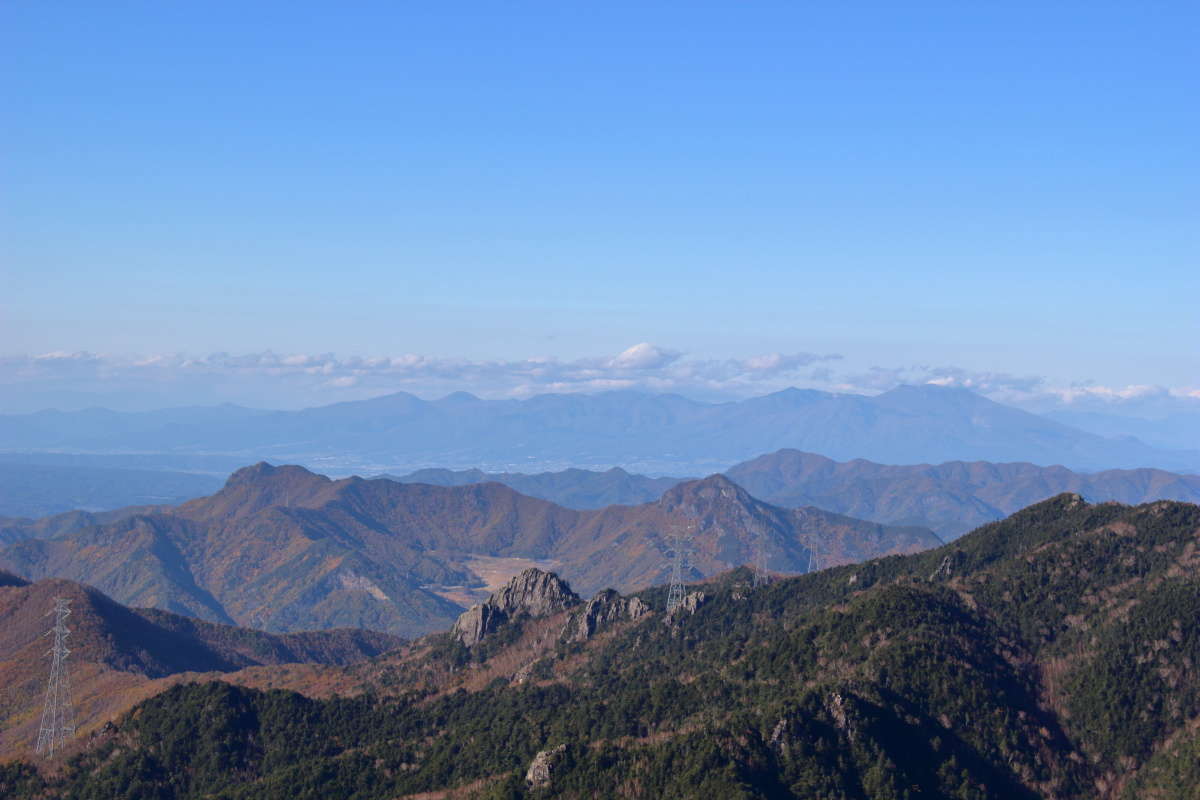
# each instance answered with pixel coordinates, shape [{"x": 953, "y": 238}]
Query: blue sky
[{"x": 995, "y": 188}]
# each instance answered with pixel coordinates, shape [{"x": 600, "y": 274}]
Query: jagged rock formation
[
  {"x": 541, "y": 769},
  {"x": 536, "y": 593},
  {"x": 533, "y": 592},
  {"x": 604, "y": 609},
  {"x": 691, "y": 603}
]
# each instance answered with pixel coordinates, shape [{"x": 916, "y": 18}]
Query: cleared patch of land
[{"x": 492, "y": 572}]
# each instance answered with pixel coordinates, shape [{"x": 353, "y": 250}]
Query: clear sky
[{"x": 1003, "y": 187}]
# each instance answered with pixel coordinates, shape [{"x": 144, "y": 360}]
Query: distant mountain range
[
  {"x": 38, "y": 490},
  {"x": 655, "y": 434},
  {"x": 950, "y": 498},
  {"x": 284, "y": 549},
  {"x": 1178, "y": 429}
]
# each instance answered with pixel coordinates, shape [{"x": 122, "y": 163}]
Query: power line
[{"x": 58, "y": 716}]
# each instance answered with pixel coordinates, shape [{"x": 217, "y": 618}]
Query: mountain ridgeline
[
  {"x": 1053, "y": 654},
  {"x": 950, "y": 498},
  {"x": 657, "y": 434},
  {"x": 573, "y": 488},
  {"x": 284, "y": 549}
]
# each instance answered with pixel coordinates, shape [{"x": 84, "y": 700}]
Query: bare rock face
[
  {"x": 691, "y": 602},
  {"x": 544, "y": 764},
  {"x": 635, "y": 608},
  {"x": 476, "y": 622},
  {"x": 604, "y": 609},
  {"x": 533, "y": 592}
]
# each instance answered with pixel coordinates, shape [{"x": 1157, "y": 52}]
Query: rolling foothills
[{"x": 283, "y": 549}]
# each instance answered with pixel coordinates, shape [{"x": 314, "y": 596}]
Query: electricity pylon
[
  {"x": 58, "y": 717},
  {"x": 814, "y": 560},
  {"x": 760, "y": 561},
  {"x": 680, "y": 549}
]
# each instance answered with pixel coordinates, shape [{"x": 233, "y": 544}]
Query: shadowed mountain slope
[
  {"x": 950, "y": 498},
  {"x": 284, "y": 549}
]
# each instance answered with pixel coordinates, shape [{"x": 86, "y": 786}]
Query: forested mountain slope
[
  {"x": 1050, "y": 655},
  {"x": 116, "y": 651}
]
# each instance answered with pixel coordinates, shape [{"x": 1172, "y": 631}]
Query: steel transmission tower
[
  {"x": 58, "y": 717},
  {"x": 760, "y": 561},
  {"x": 680, "y": 549},
  {"x": 814, "y": 559}
]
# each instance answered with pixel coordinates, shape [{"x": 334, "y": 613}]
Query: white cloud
[
  {"x": 644, "y": 356},
  {"x": 320, "y": 377},
  {"x": 269, "y": 379},
  {"x": 989, "y": 383}
]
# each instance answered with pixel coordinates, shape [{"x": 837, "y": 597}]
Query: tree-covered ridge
[{"x": 1049, "y": 655}]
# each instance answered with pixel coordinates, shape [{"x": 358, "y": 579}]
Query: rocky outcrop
[
  {"x": 544, "y": 765},
  {"x": 604, "y": 609},
  {"x": 534, "y": 593},
  {"x": 691, "y": 602},
  {"x": 476, "y": 622}
]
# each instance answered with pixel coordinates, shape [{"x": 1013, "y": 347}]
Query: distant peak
[
  {"x": 536, "y": 591},
  {"x": 716, "y": 479},
  {"x": 263, "y": 471},
  {"x": 250, "y": 474},
  {"x": 792, "y": 393},
  {"x": 458, "y": 398},
  {"x": 687, "y": 490}
]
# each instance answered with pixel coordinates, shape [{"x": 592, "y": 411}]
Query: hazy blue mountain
[
  {"x": 38, "y": 490},
  {"x": 951, "y": 498},
  {"x": 573, "y": 488},
  {"x": 655, "y": 434},
  {"x": 1178, "y": 430},
  {"x": 196, "y": 463}
]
